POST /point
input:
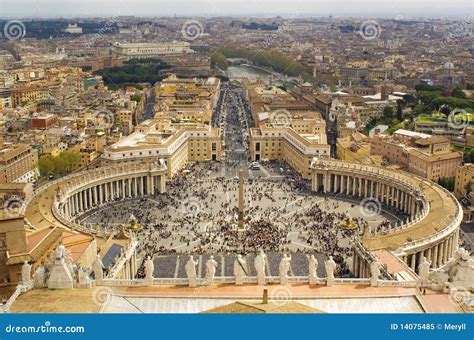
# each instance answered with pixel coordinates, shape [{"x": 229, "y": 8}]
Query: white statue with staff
[
  {"x": 211, "y": 266},
  {"x": 330, "y": 266},
  {"x": 190, "y": 268},
  {"x": 313, "y": 270},
  {"x": 149, "y": 268},
  {"x": 239, "y": 270},
  {"x": 284, "y": 269},
  {"x": 259, "y": 264}
]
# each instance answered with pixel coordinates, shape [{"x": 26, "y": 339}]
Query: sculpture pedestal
[{"x": 60, "y": 277}]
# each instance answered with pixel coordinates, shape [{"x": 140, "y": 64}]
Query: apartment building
[
  {"x": 17, "y": 163},
  {"x": 423, "y": 155},
  {"x": 175, "y": 143},
  {"x": 297, "y": 143}
]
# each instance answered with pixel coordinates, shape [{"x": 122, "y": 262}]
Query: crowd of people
[{"x": 199, "y": 214}]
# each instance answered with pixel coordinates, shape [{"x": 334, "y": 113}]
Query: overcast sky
[{"x": 152, "y": 8}]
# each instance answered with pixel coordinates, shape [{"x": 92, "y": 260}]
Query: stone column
[
  {"x": 435, "y": 256},
  {"x": 441, "y": 254},
  {"x": 446, "y": 251},
  {"x": 413, "y": 261}
]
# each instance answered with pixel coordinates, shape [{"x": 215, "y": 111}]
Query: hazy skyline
[{"x": 157, "y": 8}]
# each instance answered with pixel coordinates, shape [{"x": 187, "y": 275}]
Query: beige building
[
  {"x": 17, "y": 163},
  {"x": 423, "y": 155},
  {"x": 175, "y": 143},
  {"x": 187, "y": 99},
  {"x": 150, "y": 50},
  {"x": 464, "y": 181},
  {"x": 296, "y": 143},
  {"x": 353, "y": 148}
]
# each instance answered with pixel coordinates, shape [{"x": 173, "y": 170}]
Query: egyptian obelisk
[{"x": 240, "y": 222}]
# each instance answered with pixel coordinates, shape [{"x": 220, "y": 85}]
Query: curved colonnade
[
  {"x": 432, "y": 229},
  {"x": 60, "y": 202}
]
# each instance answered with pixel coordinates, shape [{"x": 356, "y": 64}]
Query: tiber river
[{"x": 244, "y": 71}]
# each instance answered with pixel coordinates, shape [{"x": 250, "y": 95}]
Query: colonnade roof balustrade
[
  {"x": 443, "y": 217},
  {"x": 38, "y": 208}
]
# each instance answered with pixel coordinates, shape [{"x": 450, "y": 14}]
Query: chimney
[{"x": 265, "y": 296}]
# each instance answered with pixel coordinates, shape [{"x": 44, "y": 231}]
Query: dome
[{"x": 448, "y": 65}]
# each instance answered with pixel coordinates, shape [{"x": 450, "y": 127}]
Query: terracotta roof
[{"x": 38, "y": 244}]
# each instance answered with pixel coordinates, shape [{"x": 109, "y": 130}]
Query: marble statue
[
  {"x": 313, "y": 270},
  {"x": 84, "y": 279},
  {"x": 259, "y": 264},
  {"x": 239, "y": 270},
  {"x": 191, "y": 271},
  {"x": 211, "y": 266},
  {"x": 330, "y": 267},
  {"x": 26, "y": 272},
  {"x": 424, "y": 270},
  {"x": 97, "y": 268},
  {"x": 457, "y": 273},
  {"x": 39, "y": 277},
  {"x": 284, "y": 269},
  {"x": 461, "y": 270},
  {"x": 149, "y": 268},
  {"x": 62, "y": 274},
  {"x": 374, "y": 273}
]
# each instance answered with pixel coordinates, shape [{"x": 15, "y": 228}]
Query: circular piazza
[{"x": 197, "y": 211}]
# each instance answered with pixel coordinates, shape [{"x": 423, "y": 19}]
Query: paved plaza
[{"x": 198, "y": 215}]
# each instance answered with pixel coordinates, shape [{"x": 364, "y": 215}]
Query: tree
[
  {"x": 447, "y": 183},
  {"x": 135, "y": 98},
  {"x": 219, "y": 59},
  {"x": 458, "y": 93},
  {"x": 388, "y": 112},
  {"x": 64, "y": 163}
]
